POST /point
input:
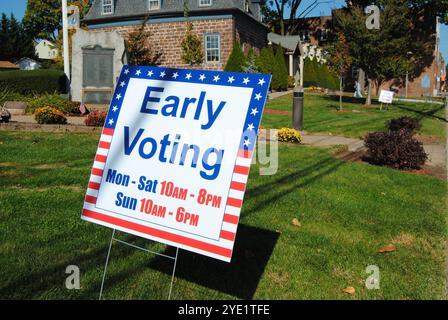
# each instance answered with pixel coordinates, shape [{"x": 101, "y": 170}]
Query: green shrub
[
  {"x": 72, "y": 107},
  {"x": 49, "y": 115},
  {"x": 251, "y": 62},
  {"x": 52, "y": 100},
  {"x": 33, "y": 82},
  {"x": 310, "y": 73},
  {"x": 280, "y": 74},
  {"x": 8, "y": 95},
  {"x": 96, "y": 119},
  {"x": 236, "y": 60},
  {"x": 289, "y": 135},
  {"x": 265, "y": 60},
  {"x": 319, "y": 75}
]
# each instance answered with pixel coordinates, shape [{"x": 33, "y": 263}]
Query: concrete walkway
[
  {"x": 275, "y": 95},
  {"x": 437, "y": 153},
  {"x": 327, "y": 140}
]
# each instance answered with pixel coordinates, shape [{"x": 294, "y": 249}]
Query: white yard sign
[
  {"x": 386, "y": 96},
  {"x": 174, "y": 156}
]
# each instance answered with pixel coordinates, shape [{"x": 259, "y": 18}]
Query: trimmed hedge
[
  {"x": 319, "y": 75},
  {"x": 236, "y": 60},
  {"x": 33, "y": 81},
  {"x": 280, "y": 76}
]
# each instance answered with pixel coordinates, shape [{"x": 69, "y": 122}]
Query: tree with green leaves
[
  {"x": 236, "y": 59},
  {"x": 280, "y": 76},
  {"x": 340, "y": 60},
  {"x": 265, "y": 59},
  {"x": 251, "y": 62},
  {"x": 381, "y": 53},
  {"x": 43, "y": 18},
  {"x": 6, "y": 45},
  {"x": 139, "y": 49},
  {"x": 192, "y": 52},
  {"x": 15, "y": 41}
]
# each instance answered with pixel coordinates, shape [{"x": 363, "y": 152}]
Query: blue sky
[{"x": 18, "y": 8}]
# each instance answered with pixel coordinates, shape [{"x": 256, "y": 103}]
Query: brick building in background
[
  {"x": 99, "y": 52},
  {"x": 218, "y": 23},
  {"x": 319, "y": 31}
]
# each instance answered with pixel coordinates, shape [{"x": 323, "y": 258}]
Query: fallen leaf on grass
[
  {"x": 387, "y": 248},
  {"x": 296, "y": 222},
  {"x": 349, "y": 290}
]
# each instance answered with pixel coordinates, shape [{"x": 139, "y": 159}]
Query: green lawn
[
  {"x": 321, "y": 115},
  {"x": 347, "y": 211}
]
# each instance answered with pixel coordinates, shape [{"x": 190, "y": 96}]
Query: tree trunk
[
  {"x": 282, "y": 27},
  {"x": 369, "y": 92},
  {"x": 340, "y": 92}
]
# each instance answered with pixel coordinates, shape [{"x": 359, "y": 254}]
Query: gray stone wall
[{"x": 87, "y": 39}]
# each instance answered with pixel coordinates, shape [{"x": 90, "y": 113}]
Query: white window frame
[
  {"x": 208, "y": 49},
  {"x": 246, "y": 6},
  {"x": 151, "y": 8},
  {"x": 323, "y": 34},
  {"x": 107, "y": 3},
  {"x": 205, "y": 3}
]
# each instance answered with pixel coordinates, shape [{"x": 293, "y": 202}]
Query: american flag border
[{"x": 223, "y": 248}]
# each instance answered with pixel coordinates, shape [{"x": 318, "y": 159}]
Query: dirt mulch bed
[
  {"x": 34, "y": 127},
  {"x": 429, "y": 139},
  {"x": 359, "y": 157},
  {"x": 349, "y": 111},
  {"x": 277, "y": 112}
]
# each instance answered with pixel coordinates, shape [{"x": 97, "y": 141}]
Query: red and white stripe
[
  {"x": 236, "y": 195},
  {"x": 98, "y": 166},
  {"x": 221, "y": 249}
]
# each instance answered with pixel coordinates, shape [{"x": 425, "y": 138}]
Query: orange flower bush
[{"x": 49, "y": 115}]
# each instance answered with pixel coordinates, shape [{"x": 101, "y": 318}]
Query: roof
[
  {"x": 29, "y": 59},
  {"x": 7, "y": 65},
  {"x": 44, "y": 41},
  {"x": 139, "y": 8},
  {"x": 288, "y": 42}
]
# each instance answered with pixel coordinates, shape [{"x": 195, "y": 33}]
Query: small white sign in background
[{"x": 386, "y": 96}]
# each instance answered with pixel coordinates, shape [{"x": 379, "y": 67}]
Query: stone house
[{"x": 218, "y": 23}]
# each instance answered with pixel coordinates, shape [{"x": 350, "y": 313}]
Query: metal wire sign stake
[
  {"x": 174, "y": 156},
  {"x": 140, "y": 248}
]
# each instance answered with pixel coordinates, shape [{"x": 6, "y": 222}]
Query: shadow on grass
[
  {"x": 269, "y": 193},
  {"x": 345, "y": 99},
  {"x": 33, "y": 284},
  {"x": 425, "y": 113},
  {"x": 240, "y": 278}
]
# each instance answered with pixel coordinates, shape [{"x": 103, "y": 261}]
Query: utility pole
[{"x": 66, "y": 45}]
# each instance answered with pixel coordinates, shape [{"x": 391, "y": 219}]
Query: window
[
  {"x": 246, "y": 5},
  {"x": 323, "y": 35},
  {"x": 205, "y": 3},
  {"x": 108, "y": 6},
  {"x": 154, "y": 4},
  {"x": 212, "y": 48},
  {"x": 304, "y": 35}
]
